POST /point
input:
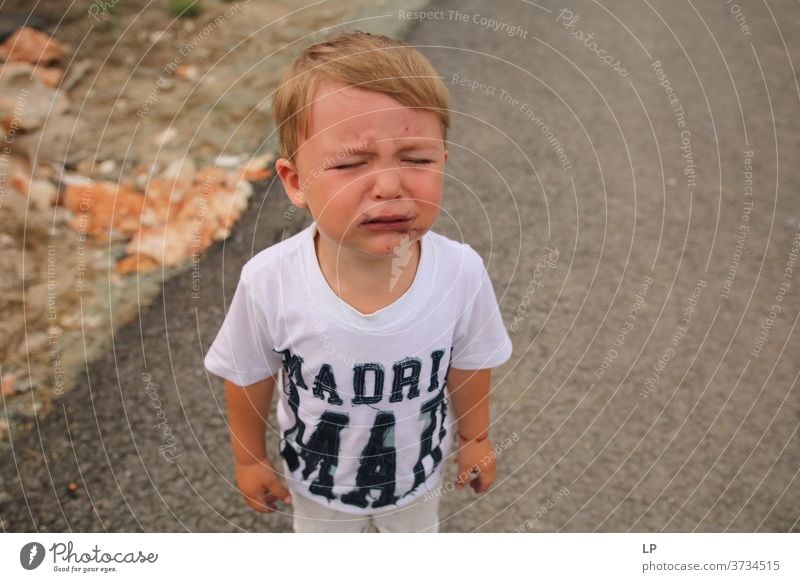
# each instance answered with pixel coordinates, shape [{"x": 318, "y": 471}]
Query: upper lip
[{"x": 388, "y": 217}]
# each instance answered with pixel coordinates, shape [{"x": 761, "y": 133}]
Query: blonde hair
[{"x": 356, "y": 59}]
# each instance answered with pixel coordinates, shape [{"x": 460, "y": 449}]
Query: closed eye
[
  {"x": 418, "y": 161},
  {"x": 348, "y": 166}
]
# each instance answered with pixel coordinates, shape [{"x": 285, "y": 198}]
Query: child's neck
[{"x": 368, "y": 283}]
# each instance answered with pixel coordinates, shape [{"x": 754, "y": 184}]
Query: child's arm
[
  {"x": 248, "y": 410},
  {"x": 469, "y": 397}
]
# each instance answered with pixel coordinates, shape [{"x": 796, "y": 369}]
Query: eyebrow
[{"x": 368, "y": 147}]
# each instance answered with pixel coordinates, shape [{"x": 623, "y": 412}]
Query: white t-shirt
[{"x": 363, "y": 409}]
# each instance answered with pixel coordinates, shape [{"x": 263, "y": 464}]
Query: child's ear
[
  {"x": 287, "y": 172},
  {"x": 445, "y": 154}
]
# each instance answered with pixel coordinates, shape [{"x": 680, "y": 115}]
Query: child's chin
[{"x": 389, "y": 243}]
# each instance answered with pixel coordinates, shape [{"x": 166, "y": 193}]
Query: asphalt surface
[{"x": 653, "y": 385}]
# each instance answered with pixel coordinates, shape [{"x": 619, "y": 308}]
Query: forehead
[{"x": 348, "y": 115}]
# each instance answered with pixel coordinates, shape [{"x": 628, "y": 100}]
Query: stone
[
  {"x": 103, "y": 206},
  {"x": 257, "y": 168},
  {"x": 31, "y": 46},
  {"x": 188, "y": 73},
  {"x": 49, "y": 76},
  {"x": 165, "y": 137},
  {"x": 7, "y": 384},
  {"x": 42, "y": 194},
  {"x": 25, "y": 101}
]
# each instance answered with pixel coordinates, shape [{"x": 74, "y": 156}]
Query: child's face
[{"x": 367, "y": 156}]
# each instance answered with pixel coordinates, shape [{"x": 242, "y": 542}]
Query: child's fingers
[
  {"x": 270, "y": 503},
  {"x": 464, "y": 476},
  {"x": 278, "y": 489},
  {"x": 256, "y": 505},
  {"x": 483, "y": 481}
]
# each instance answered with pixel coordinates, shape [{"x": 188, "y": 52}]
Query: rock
[
  {"x": 34, "y": 342},
  {"x": 159, "y": 35},
  {"x": 229, "y": 162},
  {"x": 7, "y": 384},
  {"x": 31, "y": 46},
  {"x": 257, "y": 168},
  {"x": 24, "y": 384},
  {"x": 25, "y": 101},
  {"x": 188, "y": 73},
  {"x": 43, "y": 194},
  {"x": 183, "y": 169},
  {"x": 211, "y": 178},
  {"x": 164, "y": 198},
  {"x": 143, "y": 174},
  {"x": 136, "y": 264},
  {"x": 165, "y": 137},
  {"x": 49, "y": 76},
  {"x": 107, "y": 167},
  {"x": 86, "y": 167},
  {"x": 102, "y": 206},
  {"x": 74, "y": 179},
  {"x": 75, "y": 73},
  {"x": 20, "y": 180},
  {"x": 168, "y": 246},
  {"x": 92, "y": 321}
]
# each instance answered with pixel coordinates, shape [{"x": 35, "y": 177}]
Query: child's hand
[
  {"x": 473, "y": 456},
  {"x": 261, "y": 486}
]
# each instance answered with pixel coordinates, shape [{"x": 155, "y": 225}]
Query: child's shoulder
[
  {"x": 276, "y": 256},
  {"x": 453, "y": 253}
]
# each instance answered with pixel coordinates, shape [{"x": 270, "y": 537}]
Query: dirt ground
[{"x": 144, "y": 94}]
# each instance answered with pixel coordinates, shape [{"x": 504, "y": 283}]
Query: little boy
[{"x": 381, "y": 333}]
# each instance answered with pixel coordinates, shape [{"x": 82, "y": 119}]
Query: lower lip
[{"x": 383, "y": 226}]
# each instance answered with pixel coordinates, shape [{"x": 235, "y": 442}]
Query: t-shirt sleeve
[
  {"x": 242, "y": 351},
  {"x": 480, "y": 339}
]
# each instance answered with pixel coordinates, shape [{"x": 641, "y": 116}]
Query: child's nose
[{"x": 387, "y": 184}]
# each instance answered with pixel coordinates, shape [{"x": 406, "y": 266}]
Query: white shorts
[{"x": 420, "y": 516}]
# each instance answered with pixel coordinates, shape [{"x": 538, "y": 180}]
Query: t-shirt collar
[{"x": 394, "y": 314}]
